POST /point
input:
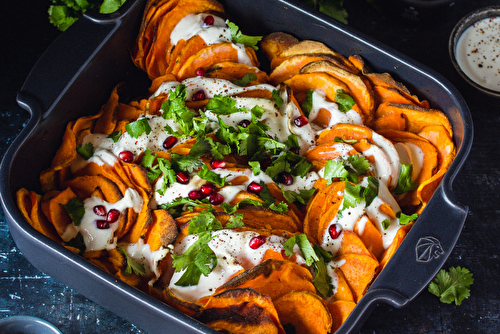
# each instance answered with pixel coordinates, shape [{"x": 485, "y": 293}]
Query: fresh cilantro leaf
[
  {"x": 452, "y": 286},
  {"x": 334, "y": 169},
  {"x": 360, "y": 164},
  {"x": 208, "y": 175},
  {"x": 371, "y": 191},
  {"x": 137, "y": 128},
  {"x": 132, "y": 266},
  {"x": 239, "y": 37},
  {"x": 75, "y": 210},
  {"x": 344, "y": 101},
  {"x": 292, "y": 141},
  {"x": 77, "y": 242},
  {"x": 255, "y": 167},
  {"x": 110, "y": 6},
  {"x": 230, "y": 209},
  {"x": 223, "y": 105},
  {"x": 405, "y": 219},
  {"x": 304, "y": 245},
  {"x": 385, "y": 224},
  {"x": 235, "y": 221},
  {"x": 115, "y": 136},
  {"x": 308, "y": 103},
  {"x": 247, "y": 78},
  {"x": 281, "y": 207},
  {"x": 404, "y": 181},
  {"x": 168, "y": 175},
  {"x": 185, "y": 163},
  {"x": 204, "y": 221},
  {"x": 148, "y": 159},
  {"x": 198, "y": 259},
  {"x": 344, "y": 140},
  {"x": 302, "y": 197},
  {"x": 322, "y": 281},
  {"x": 257, "y": 112},
  {"x": 86, "y": 151},
  {"x": 352, "y": 195},
  {"x": 63, "y": 17},
  {"x": 179, "y": 205},
  {"x": 277, "y": 98}
]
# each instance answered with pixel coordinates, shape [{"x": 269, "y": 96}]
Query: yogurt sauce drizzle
[{"x": 478, "y": 53}]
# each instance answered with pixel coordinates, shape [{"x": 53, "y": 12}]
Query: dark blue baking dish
[{"x": 75, "y": 76}]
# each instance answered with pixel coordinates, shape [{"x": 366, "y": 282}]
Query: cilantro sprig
[
  {"x": 75, "y": 210},
  {"x": 346, "y": 169},
  {"x": 131, "y": 265},
  {"x": 452, "y": 286},
  {"x": 86, "y": 151},
  {"x": 404, "y": 181},
  {"x": 239, "y": 37}
]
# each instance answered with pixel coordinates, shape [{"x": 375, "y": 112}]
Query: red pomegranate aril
[
  {"x": 294, "y": 150},
  {"x": 113, "y": 215},
  {"x": 198, "y": 96},
  {"x": 244, "y": 123},
  {"x": 207, "y": 189},
  {"x": 100, "y": 210},
  {"x": 256, "y": 242},
  {"x": 182, "y": 177},
  {"x": 215, "y": 199},
  {"x": 334, "y": 230},
  {"x": 254, "y": 187},
  {"x": 200, "y": 71},
  {"x": 195, "y": 194},
  {"x": 169, "y": 142},
  {"x": 285, "y": 178},
  {"x": 209, "y": 20},
  {"x": 301, "y": 121},
  {"x": 218, "y": 164},
  {"x": 126, "y": 156},
  {"x": 102, "y": 224},
  {"x": 265, "y": 163}
]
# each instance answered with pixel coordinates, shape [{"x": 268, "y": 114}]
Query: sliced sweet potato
[
  {"x": 359, "y": 87},
  {"x": 393, "y": 121},
  {"x": 292, "y": 66},
  {"x": 273, "y": 44},
  {"x": 359, "y": 271},
  {"x": 329, "y": 213},
  {"x": 109, "y": 115},
  {"x": 417, "y": 117},
  {"x": 326, "y": 151},
  {"x": 340, "y": 310},
  {"x": 352, "y": 244},
  {"x": 235, "y": 71},
  {"x": 264, "y": 218},
  {"x": 273, "y": 278},
  {"x": 162, "y": 231},
  {"x": 241, "y": 311},
  {"x": 139, "y": 227},
  {"x": 305, "y": 310},
  {"x": 187, "y": 49},
  {"x": 211, "y": 55},
  {"x": 398, "y": 239},
  {"x": 345, "y": 131},
  {"x": 370, "y": 235},
  {"x": 342, "y": 289},
  {"x": 55, "y": 211},
  {"x": 84, "y": 186},
  {"x": 180, "y": 304}
]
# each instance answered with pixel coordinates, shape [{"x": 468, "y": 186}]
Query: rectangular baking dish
[{"x": 75, "y": 76}]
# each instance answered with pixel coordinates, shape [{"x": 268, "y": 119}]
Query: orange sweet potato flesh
[
  {"x": 162, "y": 231},
  {"x": 342, "y": 289},
  {"x": 352, "y": 244},
  {"x": 273, "y": 44},
  {"x": 359, "y": 271},
  {"x": 109, "y": 115},
  {"x": 235, "y": 71},
  {"x": 370, "y": 235},
  {"x": 84, "y": 186},
  {"x": 393, "y": 121},
  {"x": 305, "y": 310},
  {"x": 398, "y": 239},
  {"x": 345, "y": 131},
  {"x": 55, "y": 211},
  {"x": 340, "y": 310}
]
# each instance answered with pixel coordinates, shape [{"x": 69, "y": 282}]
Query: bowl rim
[{"x": 466, "y": 22}]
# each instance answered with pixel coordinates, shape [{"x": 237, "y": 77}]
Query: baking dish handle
[{"x": 418, "y": 259}]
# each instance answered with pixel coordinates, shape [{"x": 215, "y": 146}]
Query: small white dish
[
  {"x": 22, "y": 324},
  {"x": 473, "y": 44}
]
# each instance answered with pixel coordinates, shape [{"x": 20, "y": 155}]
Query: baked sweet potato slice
[
  {"x": 321, "y": 153},
  {"x": 359, "y": 86},
  {"x": 162, "y": 231},
  {"x": 396, "y": 242},
  {"x": 370, "y": 235},
  {"x": 273, "y": 44},
  {"x": 264, "y": 218},
  {"x": 393, "y": 121},
  {"x": 342, "y": 289},
  {"x": 106, "y": 122},
  {"x": 54, "y": 210},
  {"x": 84, "y": 186},
  {"x": 359, "y": 271},
  {"x": 252, "y": 312},
  {"x": 273, "y": 278},
  {"x": 235, "y": 71},
  {"x": 352, "y": 244},
  {"x": 346, "y": 132},
  {"x": 305, "y": 310},
  {"x": 340, "y": 310},
  {"x": 292, "y": 66},
  {"x": 417, "y": 117}
]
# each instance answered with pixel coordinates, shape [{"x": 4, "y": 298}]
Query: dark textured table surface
[{"x": 25, "y": 34}]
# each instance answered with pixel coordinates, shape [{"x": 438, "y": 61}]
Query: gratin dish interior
[{"x": 95, "y": 52}]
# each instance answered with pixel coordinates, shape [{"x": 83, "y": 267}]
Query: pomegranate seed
[
  {"x": 198, "y": 96},
  {"x": 126, "y": 156},
  {"x": 217, "y": 164},
  {"x": 195, "y": 194},
  {"x": 209, "y": 20},
  {"x": 335, "y": 230},
  {"x": 254, "y": 187},
  {"x": 216, "y": 199},
  {"x": 113, "y": 215},
  {"x": 200, "y": 71},
  {"x": 294, "y": 150},
  {"x": 256, "y": 242},
  {"x": 207, "y": 189},
  {"x": 182, "y": 177},
  {"x": 100, "y": 210},
  {"x": 102, "y": 224},
  {"x": 264, "y": 164},
  {"x": 285, "y": 178},
  {"x": 301, "y": 121},
  {"x": 244, "y": 123},
  {"x": 169, "y": 142}
]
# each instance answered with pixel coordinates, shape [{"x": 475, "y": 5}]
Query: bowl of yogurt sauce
[{"x": 474, "y": 48}]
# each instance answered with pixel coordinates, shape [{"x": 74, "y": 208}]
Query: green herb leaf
[
  {"x": 137, "y": 128},
  {"x": 404, "y": 181},
  {"x": 344, "y": 140},
  {"x": 344, "y": 101},
  {"x": 405, "y": 219},
  {"x": 385, "y": 224},
  {"x": 322, "y": 281},
  {"x": 223, "y": 105},
  {"x": 360, "y": 164},
  {"x": 302, "y": 197},
  {"x": 110, "y": 6},
  {"x": 235, "y": 221},
  {"x": 247, "y": 78},
  {"x": 308, "y": 103},
  {"x": 452, "y": 286},
  {"x": 352, "y": 195},
  {"x": 77, "y": 242},
  {"x": 198, "y": 259},
  {"x": 239, "y": 37},
  {"x": 86, "y": 151},
  {"x": 115, "y": 136},
  {"x": 334, "y": 169},
  {"x": 371, "y": 191},
  {"x": 204, "y": 221},
  {"x": 75, "y": 210},
  {"x": 132, "y": 266},
  {"x": 277, "y": 98},
  {"x": 255, "y": 167},
  {"x": 208, "y": 175}
]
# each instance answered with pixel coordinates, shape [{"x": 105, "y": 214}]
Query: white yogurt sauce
[
  {"x": 233, "y": 254},
  {"x": 478, "y": 53},
  {"x": 193, "y": 24},
  {"x": 142, "y": 254},
  {"x": 319, "y": 102}
]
